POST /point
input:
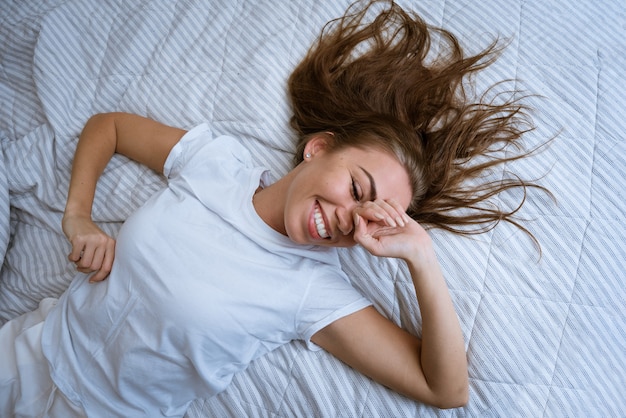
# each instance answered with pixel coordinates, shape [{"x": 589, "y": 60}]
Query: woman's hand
[
  {"x": 384, "y": 229},
  {"x": 92, "y": 249}
]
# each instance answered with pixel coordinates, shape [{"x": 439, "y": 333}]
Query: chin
[
  {"x": 340, "y": 244},
  {"x": 302, "y": 239}
]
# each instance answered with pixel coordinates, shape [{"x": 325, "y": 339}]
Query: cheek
[
  {"x": 293, "y": 215},
  {"x": 325, "y": 184},
  {"x": 297, "y": 210}
]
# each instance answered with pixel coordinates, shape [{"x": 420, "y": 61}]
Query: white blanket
[{"x": 544, "y": 337}]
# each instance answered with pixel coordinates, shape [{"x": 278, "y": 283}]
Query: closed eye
[{"x": 355, "y": 191}]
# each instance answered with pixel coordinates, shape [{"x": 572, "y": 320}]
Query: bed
[{"x": 545, "y": 334}]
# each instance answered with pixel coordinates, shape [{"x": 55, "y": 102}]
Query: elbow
[
  {"x": 105, "y": 118},
  {"x": 463, "y": 398},
  {"x": 99, "y": 117},
  {"x": 448, "y": 397},
  {"x": 100, "y": 122},
  {"x": 458, "y": 401},
  {"x": 456, "y": 398}
]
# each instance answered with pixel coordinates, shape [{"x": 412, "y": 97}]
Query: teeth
[{"x": 319, "y": 223}]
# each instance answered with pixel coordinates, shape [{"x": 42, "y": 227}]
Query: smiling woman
[
  {"x": 372, "y": 80},
  {"x": 384, "y": 133},
  {"x": 315, "y": 203}
]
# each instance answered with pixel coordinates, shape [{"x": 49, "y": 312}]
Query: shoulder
[{"x": 200, "y": 146}]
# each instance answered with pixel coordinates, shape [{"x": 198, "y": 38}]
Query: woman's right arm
[
  {"x": 143, "y": 140},
  {"x": 432, "y": 369}
]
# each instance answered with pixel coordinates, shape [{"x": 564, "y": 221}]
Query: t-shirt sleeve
[
  {"x": 211, "y": 168},
  {"x": 185, "y": 149},
  {"x": 330, "y": 297}
]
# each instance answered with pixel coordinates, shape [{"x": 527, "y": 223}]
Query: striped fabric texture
[{"x": 545, "y": 336}]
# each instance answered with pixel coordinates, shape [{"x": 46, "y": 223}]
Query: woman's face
[{"x": 331, "y": 184}]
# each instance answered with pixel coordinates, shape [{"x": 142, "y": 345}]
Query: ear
[{"x": 318, "y": 143}]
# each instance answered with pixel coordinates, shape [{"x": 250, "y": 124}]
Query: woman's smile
[{"x": 318, "y": 223}]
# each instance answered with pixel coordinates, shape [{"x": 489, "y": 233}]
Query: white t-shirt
[{"x": 200, "y": 287}]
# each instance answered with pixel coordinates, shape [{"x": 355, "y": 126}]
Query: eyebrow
[{"x": 373, "y": 194}]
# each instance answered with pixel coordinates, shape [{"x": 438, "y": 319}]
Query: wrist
[
  {"x": 425, "y": 270},
  {"x": 422, "y": 255},
  {"x": 76, "y": 211}
]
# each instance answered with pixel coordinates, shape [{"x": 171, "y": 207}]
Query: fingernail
[
  {"x": 391, "y": 222},
  {"x": 379, "y": 216},
  {"x": 400, "y": 221}
]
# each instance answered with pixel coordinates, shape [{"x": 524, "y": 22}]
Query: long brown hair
[{"x": 376, "y": 82}]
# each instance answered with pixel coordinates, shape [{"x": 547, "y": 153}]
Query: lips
[{"x": 318, "y": 221}]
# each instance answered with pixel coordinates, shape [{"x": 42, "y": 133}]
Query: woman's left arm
[
  {"x": 432, "y": 370},
  {"x": 141, "y": 139}
]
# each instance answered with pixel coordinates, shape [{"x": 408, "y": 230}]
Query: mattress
[{"x": 545, "y": 332}]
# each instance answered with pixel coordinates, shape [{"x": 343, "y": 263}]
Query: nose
[{"x": 345, "y": 222}]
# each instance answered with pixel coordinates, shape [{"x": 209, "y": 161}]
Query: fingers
[
  {"x": 94, "y": 254},
  {"x": 369, "y": 237},
  {"x": 76, "y": 253},
  {"x": 385, "y": 212},
  {"x": 384, "y": 229},
  {"x": 361, "y": 234}
]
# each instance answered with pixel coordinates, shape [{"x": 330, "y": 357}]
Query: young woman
[{"x": 221, "y": 266}]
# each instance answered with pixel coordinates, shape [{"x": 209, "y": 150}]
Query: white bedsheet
[{"x": 544, "y": 337}]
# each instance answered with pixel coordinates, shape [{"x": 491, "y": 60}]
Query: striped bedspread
[{"x": 545, "y": 337}]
